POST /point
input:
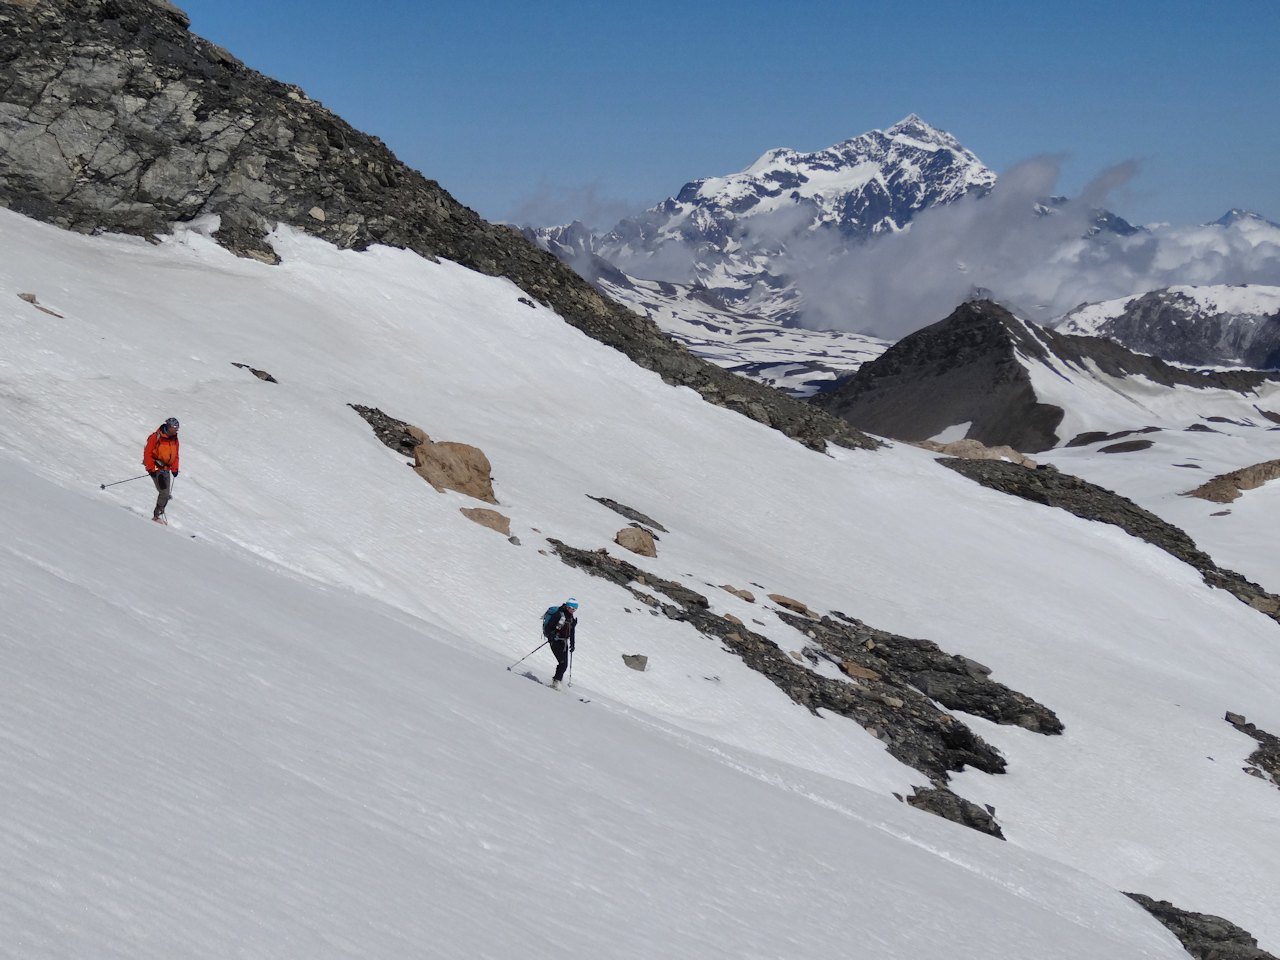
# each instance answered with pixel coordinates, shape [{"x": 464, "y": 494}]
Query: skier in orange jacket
[{"x": 160, "y": 457}]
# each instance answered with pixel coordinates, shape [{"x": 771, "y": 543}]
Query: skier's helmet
[
  {"x": 571, "y": 603},
  {"x": 171, "y": 424}
]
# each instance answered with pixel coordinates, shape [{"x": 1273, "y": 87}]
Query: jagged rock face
[
  {"x": 113, "y": 117},
  {"x": 1209, "y": 326},
  {"x": 962, "y": 369}
]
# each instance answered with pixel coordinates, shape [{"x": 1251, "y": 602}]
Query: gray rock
[
  {"x": 636, "y": 661},
  {"x": 1203, "y": 935}
]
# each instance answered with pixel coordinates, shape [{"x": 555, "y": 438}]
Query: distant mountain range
[
  {"x": 728, "y": 235},
  {"x": 1235, "y": 326}
]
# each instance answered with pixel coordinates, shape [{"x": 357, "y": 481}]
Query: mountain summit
[{"x": 730, "y": 234}]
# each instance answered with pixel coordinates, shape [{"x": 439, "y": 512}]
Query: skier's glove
[
  {"x": 175, "y": 474},
  {"x": 572, "y": 647}
]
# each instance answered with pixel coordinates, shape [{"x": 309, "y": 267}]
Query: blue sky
[{"x": 544, "y": 111}]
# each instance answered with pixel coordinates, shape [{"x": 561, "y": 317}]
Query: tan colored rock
[
  {"x": 796, "y": 655},
  {"x": 746, "y": 595},
  {"x": 732, "y": 619},
  {"x": 857, "y": 671},
  {"x": 637, "y": 541},
  {"x": 315, "y": 213},
  {"x": 488, "y": 518},
  {"x": 795, "y": 606},
  {"x": 1228, "y": 486},
  {"x": 455, "y": 466},
  {"x": 976, "y": 450}
]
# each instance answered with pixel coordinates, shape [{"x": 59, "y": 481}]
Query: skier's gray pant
[{"x": 164, "y": 483}]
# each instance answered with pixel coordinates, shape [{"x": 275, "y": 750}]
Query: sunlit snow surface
[{"x": 293, "y": 735}]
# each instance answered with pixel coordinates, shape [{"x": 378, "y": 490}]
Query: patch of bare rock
[
  {"x": 260, "y": 374},
  {"x": 1227, "y": 487},
  {"x": 1203, "y": 935},
  {"x": 446, "y": 465},
  {"x": 638, "y": 540},
  {"x": 1264, "y": 763},
  {"x": 629, "y": 513},
  {"x": 488, "y": 518},
  {"x": 32, "y": 299},
  {"x": 976, "y": 450}
]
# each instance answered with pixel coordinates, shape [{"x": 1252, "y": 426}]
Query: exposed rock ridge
[
  {"x": 1203, "y": 935},
  {"x": 963, "y": 369},
  {"x": 1092, "y": 502},
  {"x": 1265, "y": 761},
  {"x": 113, "y": 117},
  {"x": 912, "y": 727},
  {"x": 971, "y": 368},
  {"x": 1227, "y": 487}
]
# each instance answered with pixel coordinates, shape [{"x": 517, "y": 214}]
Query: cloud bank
[{"x": 1040, "y": 266}]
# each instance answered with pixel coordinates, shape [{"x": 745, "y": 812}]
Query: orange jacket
[{"x": 160, "y": 453}]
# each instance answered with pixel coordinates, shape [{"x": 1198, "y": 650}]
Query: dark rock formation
[
  {"x": 1092, "y": 502},
  {"x": 114, "y": 117},
  {"x": 941, "y": 802},
  {"x": 962, "y": 369},
  {"x": 972, "y": 368},
  {"x": 1175, "y": 326},
  {"x": 1098, "y": 436},
  {"x": 1265, "y": 761},
  {"x": 1203, "y": 935},
  {"x": 399, "y": 436},
  {"x": 891, "y": 708},
  {"x": 957, "y": 683},
  {"x": 629, "y": 513},
  {"x": 260, "y": 374}
]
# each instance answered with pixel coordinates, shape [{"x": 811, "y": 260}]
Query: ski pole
[
  {"x": 570, "y": 667},
  {"x": 103, "y": 486},
  {"x": 530, "y": 653}
]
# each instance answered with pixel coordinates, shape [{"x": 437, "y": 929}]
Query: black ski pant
[
  {"x": 560, "y": 647},
  {"x": 163, "y": 480}
]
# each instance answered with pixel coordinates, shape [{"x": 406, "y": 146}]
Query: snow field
[{"x": 401, "y": 615}]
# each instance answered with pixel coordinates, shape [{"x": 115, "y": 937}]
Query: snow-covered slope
[
  {"x": 794, "y": 359},
  {"x": 293, "y": 735}
]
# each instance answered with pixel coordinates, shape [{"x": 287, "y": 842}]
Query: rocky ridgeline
[
  {"x": 1052, "y": 488},
  {"x": 1203, "y": 935},
  {"x": 1264, "y": 763},
  {"x": 893, "y": 682},
  {"x": 113, "y": 117}
]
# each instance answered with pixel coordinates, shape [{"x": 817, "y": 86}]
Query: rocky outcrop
[
  {"x": 746, "y": 595},
  {"x": 637, "y": 540},
  {"x": 1052, "y": 488},
  {"x": 488, "y": 518},
  {"x": 942, "y": 802},
  {"x": 975, "y": 450},
  {"x": 629, "y": 513},
  {"x": 963, "y": 369},
  {"x": 1264, "y": 762},
  {"x": 973, "y": 368},
  {"x": 260, "y": 374},
  {"x": 1203, "y": 935},
  {"x": 1227, "y": 487},
  {"x": 892, "y": 707},
  {"x": 114, "y": 117},
  {"x": 448, "y": 465}
]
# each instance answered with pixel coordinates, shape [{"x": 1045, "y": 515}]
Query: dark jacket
[{"x": 563, "y": 625}]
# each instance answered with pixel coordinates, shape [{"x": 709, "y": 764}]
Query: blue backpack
[{"x": 551, "y": 612}]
